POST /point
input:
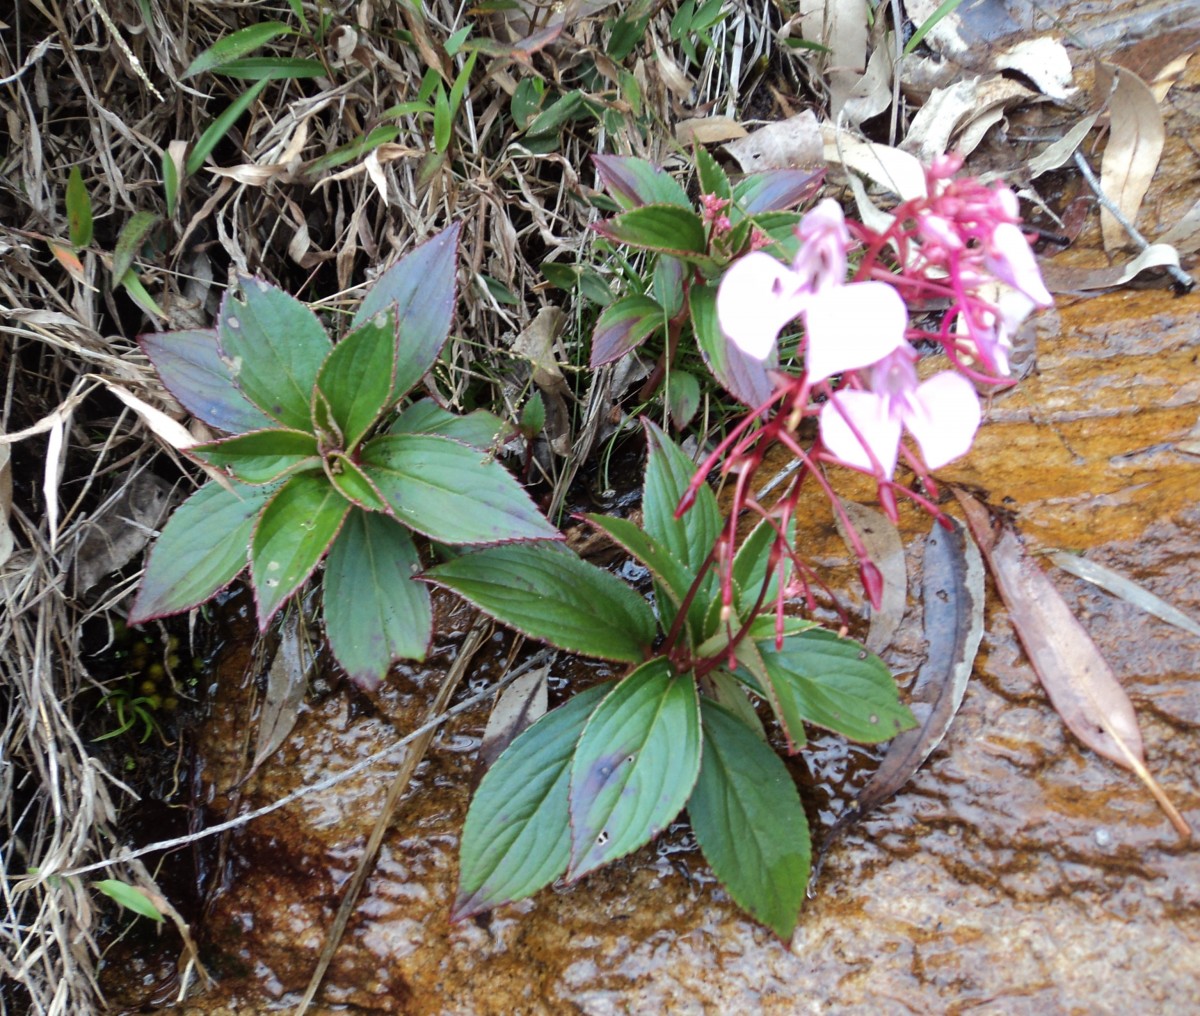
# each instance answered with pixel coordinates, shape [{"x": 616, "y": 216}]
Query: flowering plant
[{"x": 960, "y": 244}]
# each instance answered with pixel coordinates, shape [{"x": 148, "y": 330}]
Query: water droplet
[
  {"x": 872, "y": 718},
  {"x": 381, "y": 319},
  {"x": 273, "y": 566}
]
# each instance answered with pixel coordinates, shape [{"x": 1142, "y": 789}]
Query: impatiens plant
[
  {"x": 603, "y": 774},
  {"x": 329, "y": 459}
]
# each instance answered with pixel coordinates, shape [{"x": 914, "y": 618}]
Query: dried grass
[{"x": 96, "y": 84}]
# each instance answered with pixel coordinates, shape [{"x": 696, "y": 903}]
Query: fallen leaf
[
  {"x": 119, "y": 532},
  {"x": 1184, "y": 236},
  {"x": 885, "y": 166},
  {"x": 1071, "y": 279},
  {"x": 708, "y": 130},
  {"x": 1134, "y": 147},
  {"x": 287, "y": 680},
  {"x": 1125, "y": 588},
  {"x": 1044, "y": 61},
  {"x": 536, "y": 344},
  {"x": 794, "y": 143},
  {"x": 6, "y": 503},
  {"x": 518, "y": 706},
  {"x": 953, "y": 599},
  {"x": 841, "y": 26},
  {"x": 1159, "y": 61},
  {"x": 948, "y": 112},
  {"x": 872, "y": 93},
  {"x": 1081, "y": 686},
  {"x": 883, "y": 545}
]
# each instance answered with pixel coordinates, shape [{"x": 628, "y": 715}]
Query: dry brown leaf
[
  {"x": 840, "y": 25},
  {"x": 518, "y": 706},
  {"x": 708, "y": 130},
  {"x": 794, "y": 143},
  {"x": 1077, "y": 679},
  {"x": 1044, "y": 61},
  {"x": 119, "y": 532},
  {"x": 951, "y": 111},
  {"x": 1134, "y": 147},
  {"x": 885, "y": 549},
  {"x": 1184, "y": 236},
  {"x": 1160, "y": 61},
  {"x": 536, "y": 344},
  {"x": 172, "y": 432},
  {"x": 898, "y": 172},
  {"x": 1071, "y": 279},
  {"x": 871, "y": 94},
  {"x": 287, "y": 679}
]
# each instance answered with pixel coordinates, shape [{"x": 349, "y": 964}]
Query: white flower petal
[
  {"x": 850, "y": 327},
  {"x": 870, "y": 416},
  {"x": 756, "y": 298},
  {"x": 1011, "y": 260},
  {"x": 943, "y": 416}
]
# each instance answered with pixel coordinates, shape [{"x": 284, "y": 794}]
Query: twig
[
  {"x": 1183, "y": 281},
  {"x": 295, "y": 795}
]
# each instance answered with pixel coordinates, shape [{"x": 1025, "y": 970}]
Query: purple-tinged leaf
[
  {"x": 835, "y": 683},
  {"x": 191, "y": 367},
  {"x": 517, "y": 836},
  {"x": 261, "y": 456},
  {"x": 667, "y": 569},
  {"x": 884, "y": 549},
  {"x": 776, "y": 190},
  {"x": 748, "y": 380},
  {"x": 666, "y": 229},
  {"x": 1081, "y": 685},
  {"x": 713, "y": 179},
  {"x": 545, "y": 591},
  {"x": 375, "y": 612},
  {"x": 273, "y": 346},
  {"x": 683, "y": 397},
  {"x": 668, "y": 289},
  {"x": 633, "y": 182},
  {"x": 356, "y": 377},
  {"x": 292, "y": 535},
  {"x": 749, "y": 821},
  {"x": 421, "y": 285},
  {"x": 202, "y": 548},
  {"x": 479, "y": 428},
  {"x": 451, "y": 492},
  {"x": 623, "y": 326},
  {"x": 635, "y": 766}
]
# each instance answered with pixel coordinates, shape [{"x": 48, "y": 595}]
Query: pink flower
[
  {"x": 1008, "y": 257},
  {"x": 942, "y": 414},
  {"x": 756, "y": 298}
]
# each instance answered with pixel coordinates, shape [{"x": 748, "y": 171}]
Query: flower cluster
[
  {"x": 959, "y": 246},
  {"x": 956, "y": 244}
]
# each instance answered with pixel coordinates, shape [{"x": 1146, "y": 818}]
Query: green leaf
[
  {"x": 634, "y": 182},
  {"x": 201, "y": 550},
  {"x": 533, "y": 414},
  {"x": 667, "y": 569},
  {"x": 546, "y": 592},
  {"x": 170, "y": 175},
  {"x": 635, "y": 766},
  {"x": 357, "y": 376},
  {"x": 945, "y": 8},
  {"x": 689, "y": 539},
  {"x": 261, "y": 456},
  {"x": 669, "y": 275},
  {"x": 517, "y": 836},
  {"x": 354, "y": 485},
  {"x": 713, "y": 179},
  {"x": 129, "y": 243},
  {"x": 422, "y": 286},
  {"x": 663, "y": 228},
  {"x": 274, "y": 347},
  {"x": 560, "y": 112},
  {"x": 351, "y": 150},
  {"x": 752, "y": 560},
  {"x": 241, "y": 42},
  {"x": 132, "y": 285},
  {"x": 443, "y": 120},
  {"x": 683, "y": 397},
  {"x": 216, "y": 130},
  {"x": 748, "y": 380},
  {"x": 79, "y": 210},
  {"x": 623, "y": 326},
  {"x": 835, "y": 683},
  {"x": 749, "y": 822},
  {"x": 130, "y": 897},
  {"x": 375, "y": 612},
  {"x": 479, "y": 428},
  {"x": 272, "y": 68},
  {"x": 451, "y": 492},
  {"x": 295, "y": 529}
]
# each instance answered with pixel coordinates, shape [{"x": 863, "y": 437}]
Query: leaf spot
[
  {"x": 233, "y": 323},
  {"x": 872, "y": 718},
  {"x": 380, "y": 320},
  {"x": 602, "y": 839},
  {"x": 629, "y": 759},
  {"x": 862, "y": 654},
  {"x": 270, "y": 583},
  {"x": 272, "y": 566}
]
